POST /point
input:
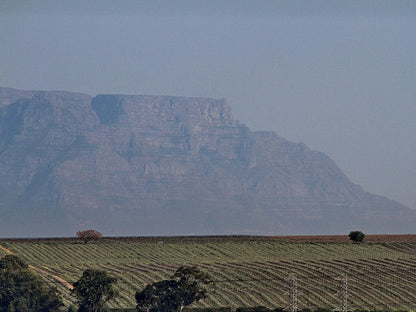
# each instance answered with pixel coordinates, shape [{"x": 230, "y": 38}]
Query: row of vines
[{"x": 247, "y": 273}]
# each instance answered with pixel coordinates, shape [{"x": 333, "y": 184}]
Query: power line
[
  {"x": 343, "y": 293},
  {"x": 293, "y": 295}
]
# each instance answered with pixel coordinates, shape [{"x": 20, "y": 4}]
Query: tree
[
  {"x": 185, "y": 287},
  {"x": 356, "y": 236},
  {"x": 191, "y": 283},
  {"x": 147, "y": 298},
  {"x": 21, "y": 290},
  {"x": 88, "y": 235},
  {"x": 93, "y": 290},
  {"x": 160, "y": 296}
]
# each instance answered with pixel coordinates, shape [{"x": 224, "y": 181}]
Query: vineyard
[{"x": 248, "y": 271}]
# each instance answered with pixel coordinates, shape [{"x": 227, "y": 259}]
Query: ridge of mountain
[{"x": 165, "y": 165}]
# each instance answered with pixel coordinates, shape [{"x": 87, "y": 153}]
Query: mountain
[{"x": 163, "y": 165}]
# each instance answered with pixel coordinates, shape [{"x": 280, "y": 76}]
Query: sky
[{"x": 339, "y": 76}]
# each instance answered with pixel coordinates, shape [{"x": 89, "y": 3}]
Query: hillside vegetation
[{"x": 249, "y": 271}]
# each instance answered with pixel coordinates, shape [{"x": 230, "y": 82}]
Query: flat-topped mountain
[{"x": 161, "y": 165}]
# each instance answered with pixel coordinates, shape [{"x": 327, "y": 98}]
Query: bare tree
[{"x": 88, "y": 235}]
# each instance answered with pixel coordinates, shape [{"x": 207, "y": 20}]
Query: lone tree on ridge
[
  {"x": 89, "y": 235},
  {"x": 356, "y": 236}
]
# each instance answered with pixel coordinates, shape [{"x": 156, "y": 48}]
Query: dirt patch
[
  {"x": 41, "y": 271},
  {"x": 56, "y": 277},
  {"x": 7, "y": 251}
]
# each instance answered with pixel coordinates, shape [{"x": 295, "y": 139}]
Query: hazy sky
[{"x": 339, "y": 76}]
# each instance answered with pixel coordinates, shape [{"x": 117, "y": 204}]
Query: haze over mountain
[{"x": 162, "y": 165}]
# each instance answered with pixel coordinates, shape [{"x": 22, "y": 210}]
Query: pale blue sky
[{"x": 339, "y": 76}]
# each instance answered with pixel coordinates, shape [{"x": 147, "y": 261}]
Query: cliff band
[{"x": 161, "y": 165}]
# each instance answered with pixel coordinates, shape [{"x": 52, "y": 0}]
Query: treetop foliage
[
  {"x": 191, "y": 274},
  {"x": 94, "y": 289},
  {"x": 184, "y": 288},
  {"x": 21, "y": 290},
  {"x": 13, "y": 263}
]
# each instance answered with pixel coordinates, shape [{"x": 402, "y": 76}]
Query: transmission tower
[
  {"x": 343, "y": 293},
  {"x": 293, "y": 293}
]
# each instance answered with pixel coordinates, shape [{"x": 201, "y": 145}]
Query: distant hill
[{"x": 162, "y": 165}]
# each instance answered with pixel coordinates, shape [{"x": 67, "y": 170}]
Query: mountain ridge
[{"x": 143, "y": 164}]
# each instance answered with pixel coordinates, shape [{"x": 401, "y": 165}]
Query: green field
[{"x": 249, "y": 271}]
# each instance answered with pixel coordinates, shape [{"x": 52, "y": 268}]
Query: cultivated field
[{"x": 249, "y": 271}]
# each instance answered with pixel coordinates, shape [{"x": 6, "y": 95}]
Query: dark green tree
[
  {"x": 147, "y": 298},
  {"x": 94, "y": 289},
  {"x": 21, "y": 290},
  {"x": 186, "y": 286},
  {"x": 356, "y": 236},
  {"x": 191, "y": 285},
  {"x": 160, "y": 296}
]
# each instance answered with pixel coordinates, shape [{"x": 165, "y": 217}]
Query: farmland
[{"x": 249, "y": 271}]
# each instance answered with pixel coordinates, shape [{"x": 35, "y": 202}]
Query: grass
[{"x": 249, "y": 271}]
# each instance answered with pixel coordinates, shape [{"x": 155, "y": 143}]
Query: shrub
[{"x": 356, "y": 236}]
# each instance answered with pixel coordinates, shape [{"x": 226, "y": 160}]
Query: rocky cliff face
[{"x": 158, "y": 165}]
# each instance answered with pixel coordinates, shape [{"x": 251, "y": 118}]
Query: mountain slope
[{"x": 160, "y": 165}]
